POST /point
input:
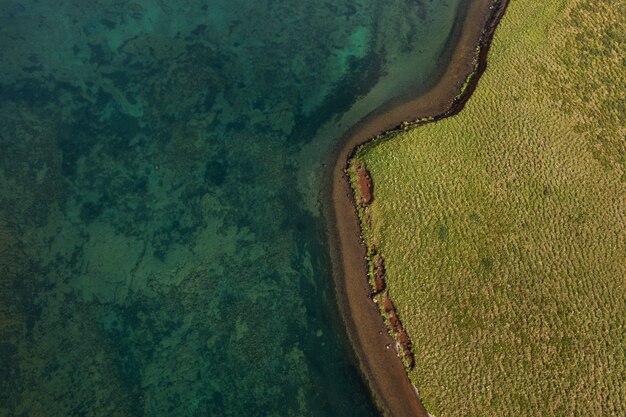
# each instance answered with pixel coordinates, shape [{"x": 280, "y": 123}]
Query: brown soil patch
[{"x": 366, "y": 186}]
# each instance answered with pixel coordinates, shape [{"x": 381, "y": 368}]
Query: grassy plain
[{"x": 503, "y": 228}]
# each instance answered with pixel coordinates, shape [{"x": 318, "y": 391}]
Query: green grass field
[{"x": 503, "y": 228}]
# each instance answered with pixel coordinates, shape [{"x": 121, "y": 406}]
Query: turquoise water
[{"x": 161, "y": 246}]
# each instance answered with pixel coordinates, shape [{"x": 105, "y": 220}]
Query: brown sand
[{"x": 384, "y": 372}]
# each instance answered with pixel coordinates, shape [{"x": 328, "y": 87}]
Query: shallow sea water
[{"x": 161, "y": 246}]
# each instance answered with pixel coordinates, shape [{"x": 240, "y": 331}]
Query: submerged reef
[{"x": 158, "y": 254}]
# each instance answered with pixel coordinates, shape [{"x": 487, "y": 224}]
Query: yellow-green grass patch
[{"x": 503, "y": 228}]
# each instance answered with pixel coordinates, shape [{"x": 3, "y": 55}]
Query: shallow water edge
[{"x": 381, "y": 366}]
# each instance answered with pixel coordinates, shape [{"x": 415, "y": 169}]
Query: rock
[
  {"x": 403, "y": 338},
  {"x": 387, "y": 305},
  {"x": 403, "y": 343},
  {"x": 393, "y": 319},
  {"x": 379, "y": 284},
  {"x": 379, "y": 277},
  {"x": 365, "y": 185}
]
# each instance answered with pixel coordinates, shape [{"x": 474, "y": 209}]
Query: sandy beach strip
[{"x": 383, "y": 370}]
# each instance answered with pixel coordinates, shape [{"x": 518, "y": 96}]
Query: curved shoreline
[{"x": 383, "y": 370}]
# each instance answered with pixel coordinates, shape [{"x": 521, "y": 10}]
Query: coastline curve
[{"x": 382, "y": 368}]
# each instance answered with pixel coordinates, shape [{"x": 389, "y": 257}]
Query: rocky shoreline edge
[{"x": 382, "y": 368}]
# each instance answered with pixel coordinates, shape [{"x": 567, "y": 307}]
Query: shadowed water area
[{"x": 161, "y": 244}]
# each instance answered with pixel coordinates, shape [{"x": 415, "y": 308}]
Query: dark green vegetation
[
  {"x": 503, "y": 228},
  {"x": 161, "y": 251}
]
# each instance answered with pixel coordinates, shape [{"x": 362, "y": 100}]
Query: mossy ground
[{"x": 503, "y": 228}]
